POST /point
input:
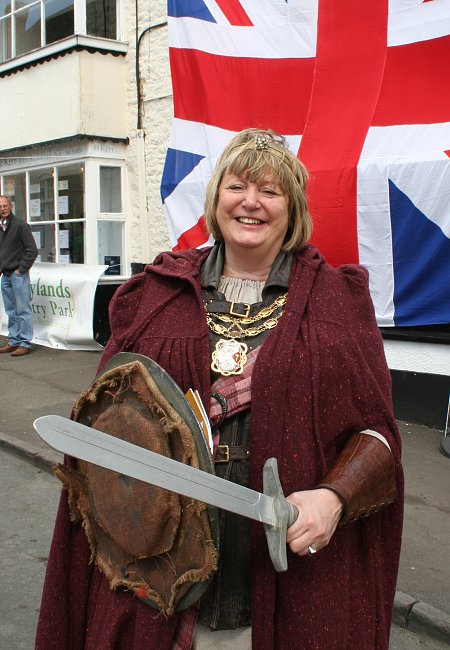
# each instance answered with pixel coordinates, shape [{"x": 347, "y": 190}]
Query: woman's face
[{"x": 252, "y": 216}]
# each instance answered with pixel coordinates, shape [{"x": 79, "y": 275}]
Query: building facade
[{"x": 86, "y": 113}]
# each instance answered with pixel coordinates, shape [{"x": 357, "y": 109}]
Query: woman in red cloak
[{"x": 309, "y": 386}]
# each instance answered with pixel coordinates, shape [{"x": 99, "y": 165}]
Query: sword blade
[{"x": 99, "y": 448}]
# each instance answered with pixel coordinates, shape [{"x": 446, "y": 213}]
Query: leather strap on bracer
[{"x": 363, "y": 477}]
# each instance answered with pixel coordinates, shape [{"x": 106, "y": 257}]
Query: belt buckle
[
  {"x": 235, "y": 313},
  {"x": 227, "y": 454}
]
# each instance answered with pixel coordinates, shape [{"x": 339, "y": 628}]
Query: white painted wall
[
  {"x": 150, "y": 228},
  {"x": 432, "y": 358},
  {"x": 70, "y": 95}
]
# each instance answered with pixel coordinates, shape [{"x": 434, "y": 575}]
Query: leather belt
[
  {"x": 225, "y": 307},
  {"x": 227, "y": 453}
]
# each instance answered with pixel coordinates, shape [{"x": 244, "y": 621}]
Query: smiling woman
[
  {"x": 286, "y": 356},
  {"x": 253, "y": 219},
  {"x": 258, "y": 157}
]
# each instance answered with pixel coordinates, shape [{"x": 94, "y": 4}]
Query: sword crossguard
[{"x": 285, "y": 516}]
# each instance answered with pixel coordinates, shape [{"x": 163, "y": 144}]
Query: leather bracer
[{"x": 363, "y": 477}]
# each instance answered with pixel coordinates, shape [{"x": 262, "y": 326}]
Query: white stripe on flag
[
  {"x": 201, "y": 139},
  {"x": 209, "y": 141},
  {"x": 184, "y": 206},
  {"x": 276, "y": 12},
  {"x": 374, "y": 237},
  {"x": 216, "y": 12},
  {"x": 406, "y": 140},
  {"x": 425, "y": 21},
  {"x": 289, "y": 41}
]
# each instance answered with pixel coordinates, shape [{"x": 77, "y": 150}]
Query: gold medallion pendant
[{"x": 229, "y": 357}]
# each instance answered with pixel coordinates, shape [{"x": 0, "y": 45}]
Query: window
[
  {"x": 55, "y": 210},
  {"x": 59, "y": 20},
  {"x": 27, "y": 25},
  {"x": 14, "y": 188},
  {"x": 101, "y": 18},
  {"x": 110, "y": 225},
  {"x": 73, "y": 197},
  {"x": 110, "y": 238},
  {"x": 110, "y": 190}
]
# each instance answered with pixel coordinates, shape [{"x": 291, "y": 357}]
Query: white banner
[{"x": 62, "y": 299}]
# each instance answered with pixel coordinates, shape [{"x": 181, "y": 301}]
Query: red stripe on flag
[
  {"x": 351, "y": 50},
  {"x": 194, "y": 237},
  {"x": 447, "y": 153},
  {"x": 416, "y": 88},
  {"x": 237, "y": 93},
  {"x": 234, "y": 12}
]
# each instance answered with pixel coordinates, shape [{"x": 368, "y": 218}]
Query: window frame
[
  {"x": 79, "y": 38},
  {"x": 93, "y": 199},
  {"x": 91, "y": 202}
]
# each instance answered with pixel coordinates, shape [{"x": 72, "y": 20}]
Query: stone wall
[{"x": 147, "y": 229}]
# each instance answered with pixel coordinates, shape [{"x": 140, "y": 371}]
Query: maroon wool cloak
[{"x": 320, "y": 376}]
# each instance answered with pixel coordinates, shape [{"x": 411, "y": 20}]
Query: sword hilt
[{"x": 285, "y": 515}]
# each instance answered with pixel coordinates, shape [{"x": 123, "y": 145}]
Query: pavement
[{"x": 48, "y": 381}]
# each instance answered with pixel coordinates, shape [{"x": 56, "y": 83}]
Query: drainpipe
[{"x": 138, "y": 75}]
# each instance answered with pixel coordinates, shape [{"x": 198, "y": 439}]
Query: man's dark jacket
[{"x": 17, "y": 246}]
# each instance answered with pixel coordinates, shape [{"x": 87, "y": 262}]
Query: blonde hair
[{"x": 253, "y": 153}]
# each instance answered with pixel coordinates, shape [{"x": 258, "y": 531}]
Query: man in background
[{"x": 17, "y": 253}]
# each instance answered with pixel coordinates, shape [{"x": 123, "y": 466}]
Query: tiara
[{"x": 262, "y": 142}]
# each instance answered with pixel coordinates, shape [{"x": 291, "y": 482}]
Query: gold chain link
[
  {"x": 235, "y": 329},
  {"x": 263, "y": 313}
]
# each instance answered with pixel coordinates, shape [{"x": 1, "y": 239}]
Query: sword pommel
[{"x": 285, "y": 515}]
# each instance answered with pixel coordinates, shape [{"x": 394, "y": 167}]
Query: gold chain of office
[{"x": 235, "y": 329}]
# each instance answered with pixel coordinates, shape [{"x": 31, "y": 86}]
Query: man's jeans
[{"x": 17, "y": 300}]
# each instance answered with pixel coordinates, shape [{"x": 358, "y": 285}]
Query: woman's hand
[{"x": 319, "y": 514}]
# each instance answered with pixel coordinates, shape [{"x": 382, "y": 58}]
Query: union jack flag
[{"x": 361, "y": 91}]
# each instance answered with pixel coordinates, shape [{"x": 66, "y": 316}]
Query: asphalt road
[{"x": 29, "y": 501}]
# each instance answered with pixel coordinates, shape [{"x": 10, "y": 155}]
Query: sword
[{"x": 99, "y": 448}]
